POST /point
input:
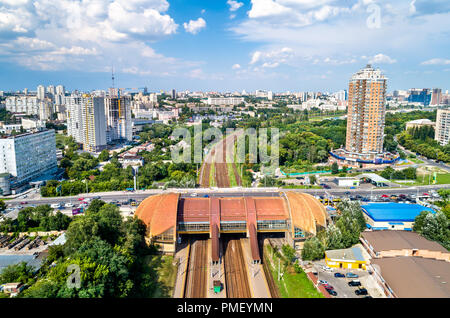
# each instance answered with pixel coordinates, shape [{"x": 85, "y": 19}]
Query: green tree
[
  {"x": 104, "y": 156},
  {"x": 334, "y": 168}
]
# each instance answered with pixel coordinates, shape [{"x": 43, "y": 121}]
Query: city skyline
[{"x": 277, "y": 45}]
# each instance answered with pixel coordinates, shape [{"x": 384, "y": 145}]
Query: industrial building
[
  {"x": 391, "y": 216},
  {"x": 168, "y": 216}
]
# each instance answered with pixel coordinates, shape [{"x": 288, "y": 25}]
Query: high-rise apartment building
[
  {"x": 436, "y": 96},
  {"x": 40, "y": 92},
  {"x": 28, "y": 156},
  {"x": 60, "y": 90},
  {"x": 118, "y": 118},
  {"x": 366, "y": 112},
  {"x": 442, "y": 134},
  {"x": 86, "y": 121}
]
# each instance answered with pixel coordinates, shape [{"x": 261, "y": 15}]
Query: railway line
[
  {"x": 236, "y": 278},
  {"x": 196, "y": 279},
  {"x": 273, "y": 288}
]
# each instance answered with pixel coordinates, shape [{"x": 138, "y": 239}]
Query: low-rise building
[
  {"x": 418, "y": 123},
  {"x": 407, "y": 265},
  {"x": 391, "y": 216},
  {"x": 351, "y": 258}
]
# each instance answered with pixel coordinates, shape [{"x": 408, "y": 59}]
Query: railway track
[
  {"x": 236, "y": 270},
  {"x": 196, "y": 279}
]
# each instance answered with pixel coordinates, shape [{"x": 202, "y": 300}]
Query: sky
[{"x": 222, "y": 45}]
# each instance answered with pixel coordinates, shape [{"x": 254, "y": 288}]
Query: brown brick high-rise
[{"x": 366, "y": 112}]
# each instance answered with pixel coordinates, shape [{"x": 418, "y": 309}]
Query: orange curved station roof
[
  {"x": 159, "y": 212},
  {"x": 306, "y": 211},
  {"x": 162, "y": 212}
]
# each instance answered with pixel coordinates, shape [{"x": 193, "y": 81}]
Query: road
[{"x": 234, "y": 192}]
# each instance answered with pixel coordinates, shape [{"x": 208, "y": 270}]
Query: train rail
[
  {"x": 236, "y": 270},
  {"x": 196, "y": 279}
]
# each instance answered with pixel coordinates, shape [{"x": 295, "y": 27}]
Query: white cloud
[
  {"x": 255, "y": 57},
  {"x": 265, "y": 8},
  {"x": 382, "y": 59},
  {"x": 234, "y": 5},
  {"x": 236, "y": 66},
  {"x": 436, "y": 61},
  {"x": 271, "y": 65},
  {"x": 85, "y": 35},
  {"x": 194, "y": 26}
]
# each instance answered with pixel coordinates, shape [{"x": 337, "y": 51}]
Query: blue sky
[{"x": 222, "y": 45}]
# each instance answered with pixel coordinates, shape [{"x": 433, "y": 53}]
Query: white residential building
[
  {"x": 443, "y": 126},
  {"x": 86, "y": 121},
  {"x": 28, "y": 156},
  {"x": 41, "y": 92}
]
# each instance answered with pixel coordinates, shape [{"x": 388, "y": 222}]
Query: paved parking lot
[{"x": 341, "y": 284}]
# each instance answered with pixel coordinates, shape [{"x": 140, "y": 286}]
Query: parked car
[
  {"x": 339, "y": 275},
  {"x": 68, "y": 205},
  {"x": 323, "y": 282},
  {"x": 354, "y": 283},
  {"x": 327, "y": 269},
  {"x": 55, "y": 205},
  {"x": 331, "y": 292},
  {"x": 361, "y": 291},
  {"x": 24, "y": 202},
  {"x": 351, "y": 275}
]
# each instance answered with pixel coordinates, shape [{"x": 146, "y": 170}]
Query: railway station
[
  {"x": 219, "y": 240},
  {"x": 169, "y": 217}
]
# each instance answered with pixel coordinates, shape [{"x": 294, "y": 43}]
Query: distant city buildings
[
  {"x": 442, "y": 134},
  {"x": 225, "y": 101},
  {"x": 26, "y": 157}
]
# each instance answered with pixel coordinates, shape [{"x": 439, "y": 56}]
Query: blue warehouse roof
[{"x": 393, "y": 212}]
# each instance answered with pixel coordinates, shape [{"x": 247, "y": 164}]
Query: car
[
  {"x": 206, "y": 196},
  {"x": 385, "y": 196},
  {"x": 327, "y": 269},
  {"x": 194, "y": 194},
  {"x": 328, "y": 287},
  {"x": 80, "y": 199},
  {"x": 331, "y": 292},
  {"x": 323, "y": 282},
  {"x": 351, "y": 275},
  {"x": 24, "y": 202},
  {"x": 339, "y": 275},
  {"x": 96, "y": 197},
  {"x": 368, "y": 296},
  {"x": 55, "y": 205},
  {"x": 133, "y": 204},
  {"x": 68, "y": 205},
  {"x": 354, "y": 283},
  {"x": 361, "y": 291}
]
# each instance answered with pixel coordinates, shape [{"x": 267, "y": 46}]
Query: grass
[
  {"x": 231, "y": 176},
  {"x": 212, "y": 175},
  {"x": 167, "y": 274},
  {"x": 425, "y": 179},
  {"x": 293, "y": 284}
]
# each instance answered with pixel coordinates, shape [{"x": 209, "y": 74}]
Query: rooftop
[
  {"x": 353, "y": 254},
  {"x": 386, "y": 212},
  {"x": 400, "y": 240},
  {"x": 415, "y": 277}
]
